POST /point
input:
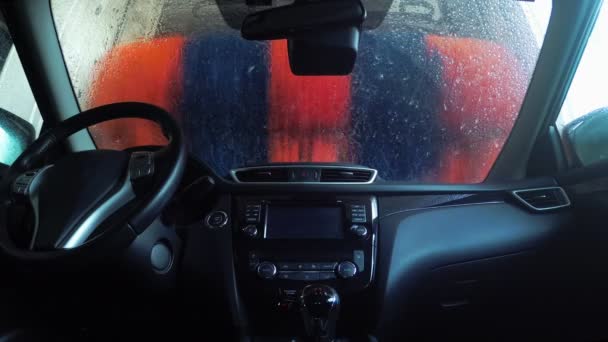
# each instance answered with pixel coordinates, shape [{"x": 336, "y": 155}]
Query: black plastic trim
[
  {"x": 382, "y": 188},
  {"x": 415, "y": 243}
]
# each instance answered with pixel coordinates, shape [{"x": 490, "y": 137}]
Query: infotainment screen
[{"x": 293, "y": 222}]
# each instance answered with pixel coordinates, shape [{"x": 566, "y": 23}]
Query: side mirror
[
  {"x": 15, "y": 135},
  {"x": 586, "y": 138}
]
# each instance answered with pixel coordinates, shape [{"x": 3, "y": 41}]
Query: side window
[
  {"x": 583, "y": 120},
  {"x": 20, "y": 120}
]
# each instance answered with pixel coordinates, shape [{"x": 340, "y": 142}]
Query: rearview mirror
[
  {"x": 323, "y": 36},
  {"x": 586, "y": 138},
  {"x": 15, "y": 135}
]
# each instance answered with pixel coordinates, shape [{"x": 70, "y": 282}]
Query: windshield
[{"x": 436, "y": 89}]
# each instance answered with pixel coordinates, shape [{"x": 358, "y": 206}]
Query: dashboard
[{"x": 403, "y": 261}]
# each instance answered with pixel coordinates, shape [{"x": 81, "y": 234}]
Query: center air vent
[
  {"x": 347, "y": 175},
  {"x": 262, "y": 175},
  {"x": 543, "y": 199},
  {"x": 307, "y": 173}
]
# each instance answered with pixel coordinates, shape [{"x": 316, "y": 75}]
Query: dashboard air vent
[
  {"x": 347, "y": 175},
  {"x": 544, "y": 198},
  {"x": 262, "y": 175}
]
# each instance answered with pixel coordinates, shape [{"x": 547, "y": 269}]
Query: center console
[
  {"x": 284, "y": 243},
  {"x": 289, "y": 242}
]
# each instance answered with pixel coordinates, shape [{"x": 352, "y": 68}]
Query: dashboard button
[
  {"x": 285, "y": 275},
  {"x": 254, "y": 260},
  {"x": 300, "y": 276},
  {"x": 300, "y": 266},
  {"x": 252, "y": 220},
  {"x": 253, "y": 265},
  {"x": 327, "y": 275},
  {"x": 327, "y": 266},
  {"x": 311, "y": 266},
  {"x": 250, "y": 231},
  {"x": 216, "y": 219},
  {"x": 286, "y": 266},
  {"x": 359, "y": 259},
  {"x": 307, "y": 276}
]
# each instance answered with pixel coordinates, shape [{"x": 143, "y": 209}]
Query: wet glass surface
[{"x": 436, "y": 88}]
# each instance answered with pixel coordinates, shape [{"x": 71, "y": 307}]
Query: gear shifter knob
[{"x": 320, "y": 306}]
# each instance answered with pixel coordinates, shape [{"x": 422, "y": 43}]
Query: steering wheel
[{"x": 89, "y": 203}]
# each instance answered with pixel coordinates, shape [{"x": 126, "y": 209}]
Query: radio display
[{"x": 306, "y": 222}]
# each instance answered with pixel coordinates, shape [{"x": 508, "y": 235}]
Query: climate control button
[
  {"x": 267, "y": 270},
  {"x": 359, "y": 231},
  {"x": 250, "y": 231},
  {"x": 346, "y": 269}
]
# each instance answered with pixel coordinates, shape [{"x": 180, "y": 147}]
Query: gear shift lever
[{"x": 320, "y": 306}]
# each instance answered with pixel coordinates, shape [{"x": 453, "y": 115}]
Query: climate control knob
[
  {"x": 359, "y": 231},
  {"x": 250, "y": 231},
  {"x": 346, "y": 269},
  {"x": 267, "y": 270}
]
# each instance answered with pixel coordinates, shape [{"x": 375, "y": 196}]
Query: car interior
[{"x": 296, "y": 184}]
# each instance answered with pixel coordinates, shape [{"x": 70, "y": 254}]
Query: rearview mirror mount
[{"x": 323, "y": 37}]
